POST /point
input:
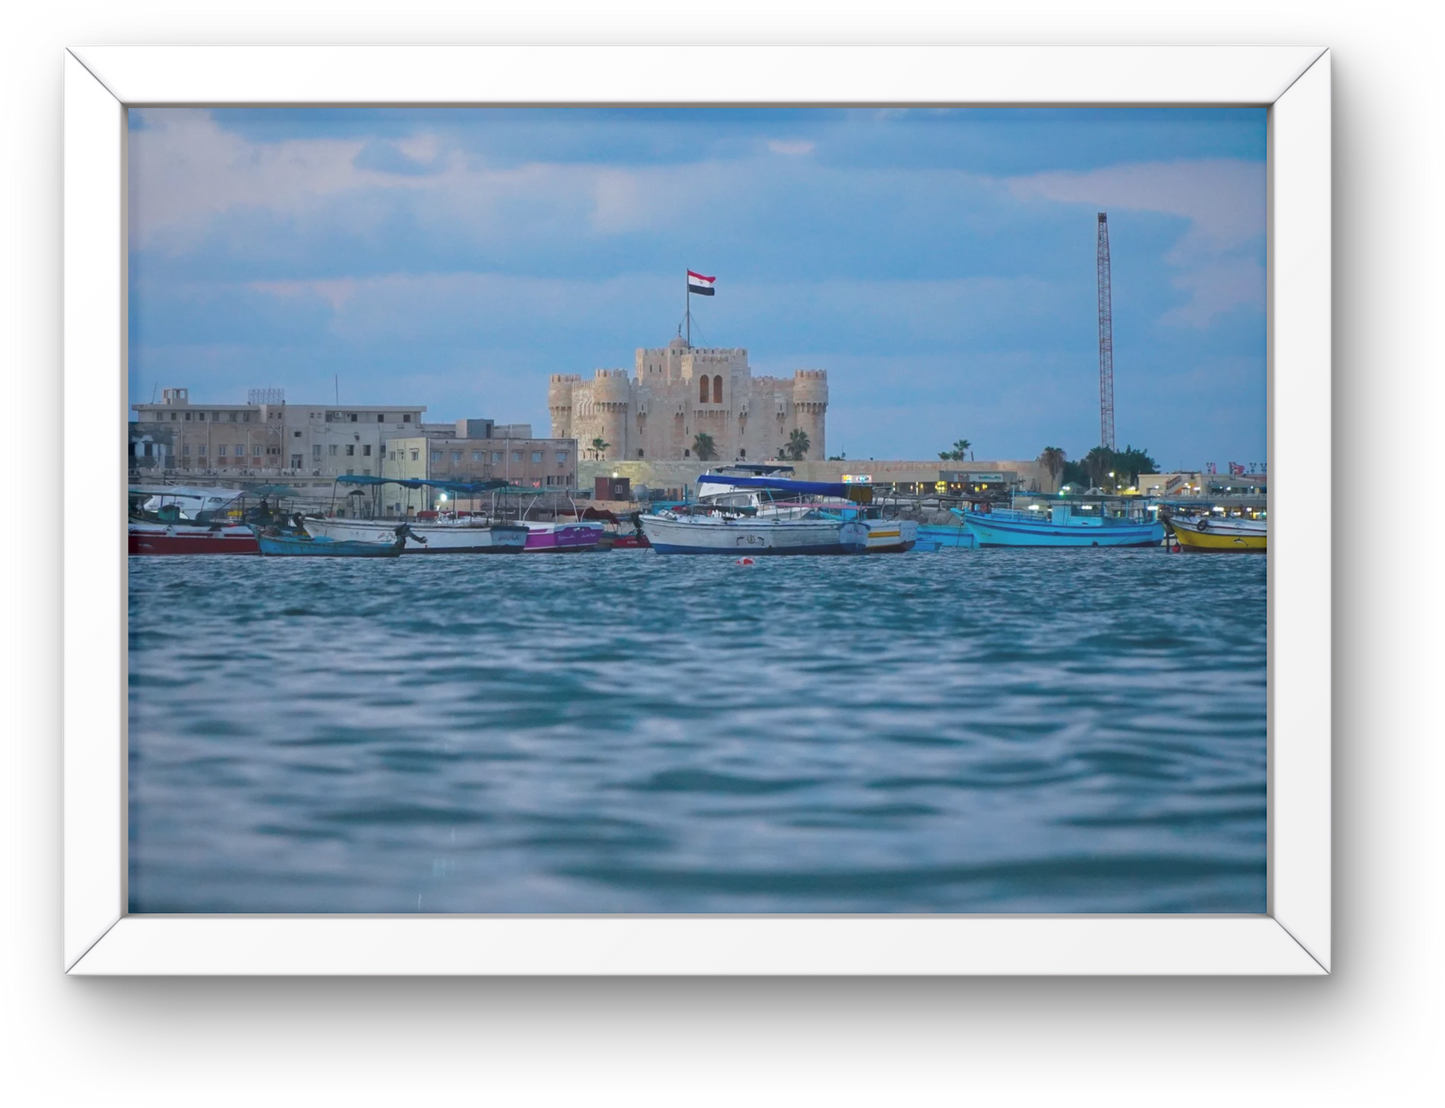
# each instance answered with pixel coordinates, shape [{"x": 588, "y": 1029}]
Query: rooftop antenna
[{"x": 336, "y": 380}]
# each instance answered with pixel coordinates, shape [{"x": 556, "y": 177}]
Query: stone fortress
[{"x": 678, "y": 391}]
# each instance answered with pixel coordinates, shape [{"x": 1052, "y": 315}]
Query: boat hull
[
  {"x": 174, "y": 539},
  {"x": 716, "y": 535},
  {"x": 945, "y": 538},
  {"x": 296, "y": 546},
  {"x": 890, "y": 536},
  {"x": 1082, "y": 534},
  {"x": 1219, "y": 538},
  {"x": 563, "y": 538},
  {"x": 440, "y": 538}
]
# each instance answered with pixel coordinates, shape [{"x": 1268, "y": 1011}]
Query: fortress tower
[{"x": 677, "y": 392}]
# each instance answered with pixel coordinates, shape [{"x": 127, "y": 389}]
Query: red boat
[{"x": 192, "y": 538}]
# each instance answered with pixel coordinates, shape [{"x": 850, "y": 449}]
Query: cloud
[
  {"x": 792, "y": 147},
  {"x": 1222, "y": 198}
]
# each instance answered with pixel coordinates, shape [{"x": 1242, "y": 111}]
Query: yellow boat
[{"x": 1207, "y": 533}]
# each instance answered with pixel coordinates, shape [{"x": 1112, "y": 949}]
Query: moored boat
[
  {"x": 1060, "y": 526},
  {"x": 671, "y": 532},
  {"x": 561, "y": 537},
  {"x": 1226, "y": 535},
  {"x": 275, "y": 544},
  {"x": 441, "y": 536},
  {"x": 943, "y": 537},
  {"x": 186, "y": 537}
]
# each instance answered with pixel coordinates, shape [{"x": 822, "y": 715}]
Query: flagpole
[{"x": 687, "y": 301}]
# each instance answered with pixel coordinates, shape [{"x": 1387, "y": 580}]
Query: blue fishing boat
[
  {"x": 275, "y": 544},
  {"x": 1059, "y": 525},
  {"x": 933, "y": 537}
]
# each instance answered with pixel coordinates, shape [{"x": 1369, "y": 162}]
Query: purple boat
[{"x": 559, "y": 537}]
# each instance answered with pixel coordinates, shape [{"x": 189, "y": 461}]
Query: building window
[
  {"x": 456, "y": 455},
  {"x": 477, "y": 456},
  {"x": 686, "y": 453},
  {"x": 255, "y": 451},
  {"x": 351, "y": 416},
  {"x": 717, "y": 390},
  {"x": 350, "y": 450},
  {"x": 316, "y": 453},
  {"x": 702, "y": 390},
  {"x": 561, "y": 457},
  {"x": 406, "y": 417},
  {"x": 295, "y": 434},
  {"x": 742, "y": 453},
  {"x": 496, "y": 455},
  {"x": 380, "y": 418},
  {"x": 173, "y": 417},
  {"x": 391, "y": 457},
  {"x": 215, "y": 417},
  {"x": 536, "y": 456},
  {"x": 201, "y": 417},
  {"x": 332, "y": 450},
  {"x": 350, "y": 472},
  {"x": 639, "y": 452},
  {"x": 516, "y": 455},
  {"x": 201, "y": 450},
  {"x": 295, "y": 461},
  {"x": 366, "y": 471},
  {"x": 221, "y": 450},
  {"x": 245, "y": 417},
  {"x": 366, "y": 451},
  {"x": 436, "y": 455},
  {"x": 416, "y": 455},
  {"x": 231, "y": 416},
  {"x": 185, "y": 450}
]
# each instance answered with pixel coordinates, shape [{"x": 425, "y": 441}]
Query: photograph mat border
[{"x": 1293, "y": 938}]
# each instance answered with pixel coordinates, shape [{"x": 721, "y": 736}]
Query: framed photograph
[{"x": 898, "y": 460}]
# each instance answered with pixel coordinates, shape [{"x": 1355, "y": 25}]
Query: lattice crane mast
[{"x": 1106, "y": 340}]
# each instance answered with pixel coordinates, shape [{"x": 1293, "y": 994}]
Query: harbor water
[{"x": 965, "y": 731}]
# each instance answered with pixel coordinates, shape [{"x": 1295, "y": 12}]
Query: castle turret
[
  {"x": 611, "y": 401},
  {"x": 560, "y": 402},
  {"x": 810, "y": 406}
]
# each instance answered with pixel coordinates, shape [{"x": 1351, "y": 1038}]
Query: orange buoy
[{"x": 744, "y": 562}]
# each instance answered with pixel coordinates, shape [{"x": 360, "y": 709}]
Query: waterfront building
[
  {"x": 677, "y": 392},
  {"x": 481, "y": 450},
  {"x": 269, "y": 438}
]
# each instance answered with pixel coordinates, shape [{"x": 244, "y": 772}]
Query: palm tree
[
  {"x": 798, "y": 445},
  {"x": 598, "y": 446},
  {"x": 958, "y": 453},
  {"x": 1099, "y": 462},
  {"x": 1053, "y": 459},
  {"x": 703, "y": 446}
]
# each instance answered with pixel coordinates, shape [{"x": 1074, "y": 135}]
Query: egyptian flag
[{"x": 699, "y": 285}]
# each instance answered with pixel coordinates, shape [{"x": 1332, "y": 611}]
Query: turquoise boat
[
  {"x": 933, "y": 537},
  {"x": 1059, "y": 525},
  {"x": 279, "y": 545}
]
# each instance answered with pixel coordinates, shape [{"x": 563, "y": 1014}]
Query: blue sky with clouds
[{"x": 939, "y": 264}]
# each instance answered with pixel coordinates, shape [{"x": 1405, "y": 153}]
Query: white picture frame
[{"x": 1292, "y": 937}]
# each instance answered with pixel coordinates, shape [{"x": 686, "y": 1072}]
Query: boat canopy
[
  {"x": 859, "y": 494},
  {"x": 470, "y": 488}
]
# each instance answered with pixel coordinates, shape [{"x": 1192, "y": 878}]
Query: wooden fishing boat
[{"x": 1060, "y": 526}]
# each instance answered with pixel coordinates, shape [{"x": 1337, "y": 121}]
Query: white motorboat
[
  {"x": 671, "y": 532},
  {"x": 440, "y": 536}
]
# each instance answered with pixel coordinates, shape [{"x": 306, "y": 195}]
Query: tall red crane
[{"x": 1106, "y": 341}]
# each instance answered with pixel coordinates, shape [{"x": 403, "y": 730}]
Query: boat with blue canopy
[
  {"x": 766, "y": 496},
  {"x": 453, "y": 533}
]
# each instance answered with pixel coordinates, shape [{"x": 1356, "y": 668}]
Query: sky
[{"x": 939, "y": 264}]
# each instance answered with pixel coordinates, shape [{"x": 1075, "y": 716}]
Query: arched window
[
  {"x": 717, "y": 390},
  {"x": 702, "y": 389},
  {"x": 743, "y": 453}
]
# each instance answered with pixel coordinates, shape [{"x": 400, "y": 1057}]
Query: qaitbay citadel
[{"x": 677, "y": 392}]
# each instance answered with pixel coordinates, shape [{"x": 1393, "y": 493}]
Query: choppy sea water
[{"x": 963, "y": 731}]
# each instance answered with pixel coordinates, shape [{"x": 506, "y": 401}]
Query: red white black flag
[{"x": 700, "y": 285}]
